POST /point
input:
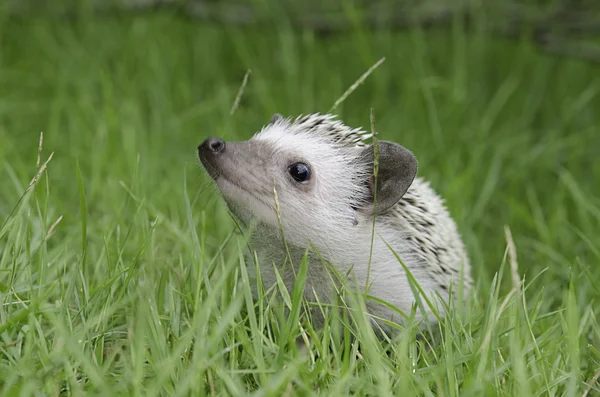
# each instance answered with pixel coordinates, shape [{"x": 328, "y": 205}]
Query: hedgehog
[{"x": 314, "y": 186}]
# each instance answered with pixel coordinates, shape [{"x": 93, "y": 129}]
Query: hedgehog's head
[{"x": 319, "y": 171}]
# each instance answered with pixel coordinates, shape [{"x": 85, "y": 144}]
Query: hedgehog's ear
[{"x": 396, "y": 172}]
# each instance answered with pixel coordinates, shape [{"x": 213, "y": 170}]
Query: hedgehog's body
[{"x": 322, "y": 174}]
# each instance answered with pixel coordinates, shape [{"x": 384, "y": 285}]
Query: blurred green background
[{"x": 505, "y": 124}]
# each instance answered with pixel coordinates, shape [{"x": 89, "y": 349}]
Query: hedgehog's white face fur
[
  {"x": 313, "y": 174},
  {"x": 312, "y": 178}
]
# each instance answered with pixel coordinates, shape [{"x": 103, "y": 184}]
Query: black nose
[{"x": 214, "y": 145}]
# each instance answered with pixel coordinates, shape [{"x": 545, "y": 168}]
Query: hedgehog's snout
[{"x": 207, "y": 152}]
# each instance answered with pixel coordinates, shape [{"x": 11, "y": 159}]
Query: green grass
[{"x": 140, "y": 289}]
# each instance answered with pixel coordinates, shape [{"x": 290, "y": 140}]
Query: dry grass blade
[
  {"x": 32, "y": 183},
  {"x": 590, "y": 384},
  {"x": 375, "y": 172},
  {"x": 238, "y": 97},
  {"x": 211, "y": 383},
  {"x": 51, "y": 230},
  {"x": 39, "y": 173},
  {"x": 39, "y": 155},
  {"x": 354, "y": 86},
  {"x": 512, "y": 258},
  {"x": 280, "y": 222},
  {"x": 516, "y": 286}
]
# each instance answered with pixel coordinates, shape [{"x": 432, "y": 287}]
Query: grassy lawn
[{"x": 120, "y": 268}]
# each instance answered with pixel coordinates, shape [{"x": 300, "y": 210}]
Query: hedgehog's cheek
[
  {"x": 246, "y": 206},
  {"x": 361, "y": 200}
]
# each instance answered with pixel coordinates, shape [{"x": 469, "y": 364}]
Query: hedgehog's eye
[{"x": 300, "y": 172}]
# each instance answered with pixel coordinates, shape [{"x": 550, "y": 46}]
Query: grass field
[{"x": 120, "y": 272}]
